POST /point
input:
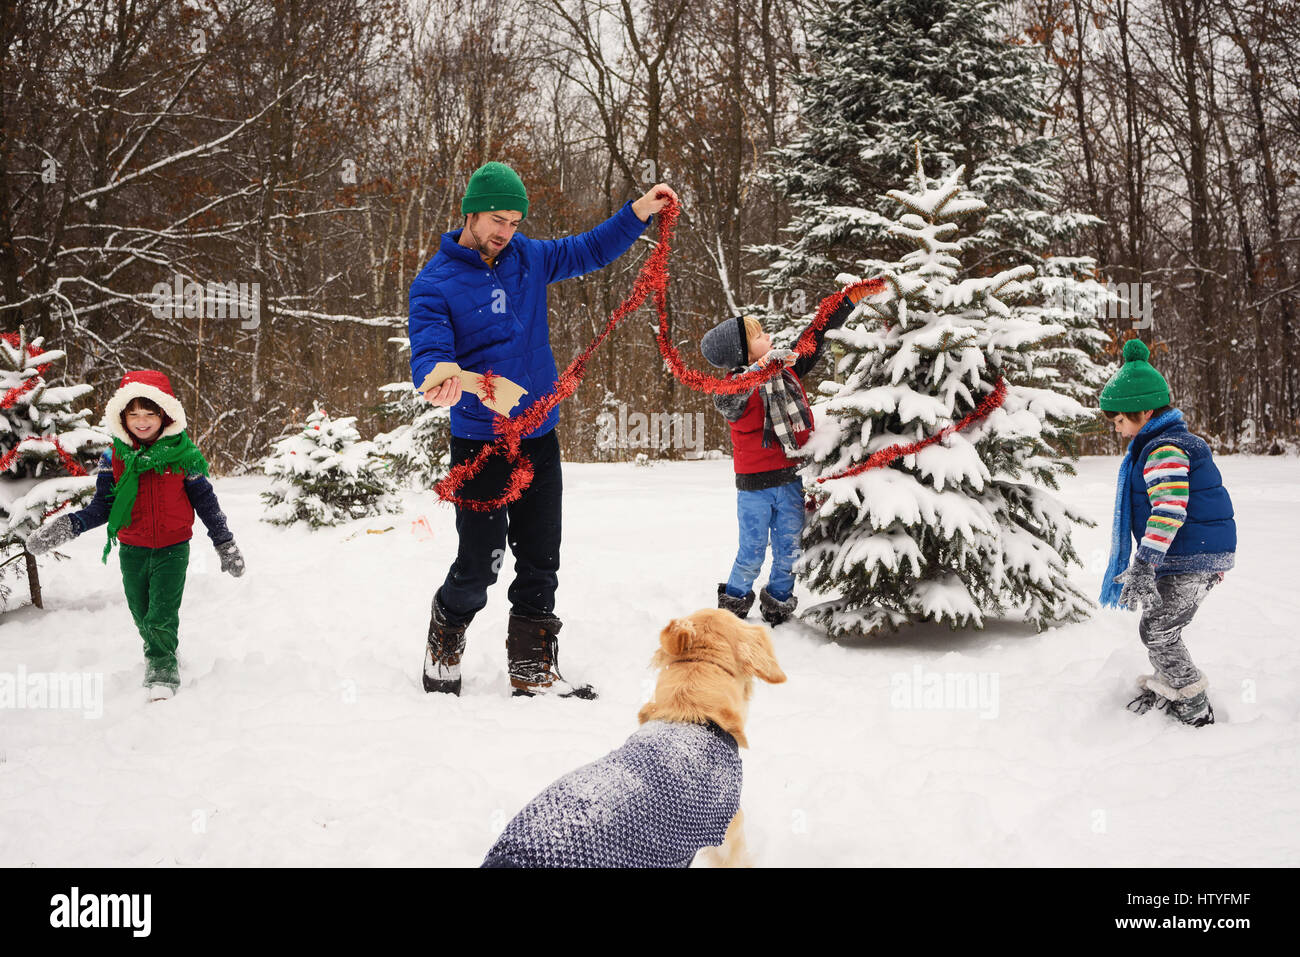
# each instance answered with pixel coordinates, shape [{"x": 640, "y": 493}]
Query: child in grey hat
[{"x": 768, "y": 425}]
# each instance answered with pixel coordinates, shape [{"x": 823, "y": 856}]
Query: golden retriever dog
[{"x": 673, "y": 789}]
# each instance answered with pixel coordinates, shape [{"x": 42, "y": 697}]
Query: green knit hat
[
  {"x": 1136, "y": 387},
  {"x": 494, "y": 186}
]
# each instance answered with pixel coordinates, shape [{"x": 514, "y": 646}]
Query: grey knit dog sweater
[{"x": 669, "y": 791}]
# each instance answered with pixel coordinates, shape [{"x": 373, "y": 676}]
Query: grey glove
[
  {"x": 1139, "y": 582},
  {"x": 52, "y": 535},
  {"x": 231, "y": 560}
]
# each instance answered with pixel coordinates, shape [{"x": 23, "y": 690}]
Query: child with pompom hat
[
  {"x": 149, "y": 487},
  {"x": 1170, "y": 498}
]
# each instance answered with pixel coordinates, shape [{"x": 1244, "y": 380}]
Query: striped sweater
[{"x": 1165, "y": 474}]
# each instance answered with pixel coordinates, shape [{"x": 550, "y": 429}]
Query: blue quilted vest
[
  {"x": 495, "y": 317},
  {"x": 1208, "y": 537}
]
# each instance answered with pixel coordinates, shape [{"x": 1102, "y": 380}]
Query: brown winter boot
[
  {"x": 442, "y": 654},
  {"x": 532, "y": 649}
]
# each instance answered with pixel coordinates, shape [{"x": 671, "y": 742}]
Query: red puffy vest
[
  {"x": 162, "y": 514},
  {"x": 748, "y": 454}
]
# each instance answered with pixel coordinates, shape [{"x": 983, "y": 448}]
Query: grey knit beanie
[{"x": 726, "y": 345}]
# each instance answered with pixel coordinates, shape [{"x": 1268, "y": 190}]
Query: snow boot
[
  {"x": 1189, "y": 704},
  {"x": 443, "y": 652},
  {"x": 776, "y": 612},
  {"x": 1195, "y": 710},
  {"x": 532, "y": 650},
  {"x": 162, "y": 677},
  {"x": 1146, "y": 701},
  {"x": 737, "y": 606}
]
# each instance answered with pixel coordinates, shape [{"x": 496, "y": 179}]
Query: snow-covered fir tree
[
  {"x": 890, "y": 73},
  {"x": 44, "y": 441},
  {"x": 326, "y": 474},
  {"x": 966, "y": 527},
  {"x": 37, "y": 418},
  {"x": 418, "y": 451}
]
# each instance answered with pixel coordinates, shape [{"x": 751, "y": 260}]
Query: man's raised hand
[{"x": 652, "y": 202}]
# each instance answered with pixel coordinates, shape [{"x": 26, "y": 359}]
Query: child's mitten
[
  {"x": 780, "y": 355},
  {"x": 231, "y": 560},
  {"x": 1139, "y": 582},
  {"x": 53, "y": 535}
]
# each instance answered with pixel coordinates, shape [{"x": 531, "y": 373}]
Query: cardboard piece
[{"x": 507, "y": 393}]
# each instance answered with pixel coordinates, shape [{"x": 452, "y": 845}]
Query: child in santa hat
[{"x": 149, "y": 487}]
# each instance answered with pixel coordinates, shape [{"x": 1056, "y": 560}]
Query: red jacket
[
  {"x": 748, "y": 454},
  {"x": 162, "y": 514}
]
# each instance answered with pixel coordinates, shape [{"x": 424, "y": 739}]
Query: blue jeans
[{"x": 778, "y": 511}]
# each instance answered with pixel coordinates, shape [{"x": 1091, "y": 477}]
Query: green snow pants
[{"x": 154, "y": 580}]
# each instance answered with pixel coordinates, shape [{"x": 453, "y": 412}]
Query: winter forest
[
  {"x": 1008, "y": 202},
  {"x": 317, "y": 150}
]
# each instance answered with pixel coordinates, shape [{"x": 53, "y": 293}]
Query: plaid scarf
[{"x": 785, "y": 411}]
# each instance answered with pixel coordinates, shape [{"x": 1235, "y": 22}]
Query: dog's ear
[
  {"x": 678, "y": 636},
  {"x": 757, "y": 654}
]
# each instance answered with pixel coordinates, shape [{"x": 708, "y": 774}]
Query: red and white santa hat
[{"x": 144, "y": 384}]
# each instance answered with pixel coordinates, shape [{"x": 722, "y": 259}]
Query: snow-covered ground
[{"x": 301, "y": 734}]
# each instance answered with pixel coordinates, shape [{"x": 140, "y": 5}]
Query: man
[{"x": 481, "y": 302}]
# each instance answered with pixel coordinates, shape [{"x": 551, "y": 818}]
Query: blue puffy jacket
[{"x": 495, "y": 317}]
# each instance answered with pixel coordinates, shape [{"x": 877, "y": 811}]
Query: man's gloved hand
[
  {"x": 231, "y": 560},
  {"x": 52, "y": 535},
  {"x": 1139, "y": 582}
]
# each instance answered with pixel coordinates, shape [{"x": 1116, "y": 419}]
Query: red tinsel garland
[
  {"x": 69, "y": 463},
  {"x": 884, "y": 456},
  {"x": 13, "y": 395},
  {"x": 652, "y": 279},
  {"x": 489, "y": 387}
]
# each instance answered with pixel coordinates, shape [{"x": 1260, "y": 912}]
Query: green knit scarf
[{"x": 173, "y": 451}]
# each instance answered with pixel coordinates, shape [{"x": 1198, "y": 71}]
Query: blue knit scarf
[{"x": 1121, "y": 529}]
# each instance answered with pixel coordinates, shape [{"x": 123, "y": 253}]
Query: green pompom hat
[
  {"x": 494, "y": 186},
  {"x": 1137, "y": 386}
]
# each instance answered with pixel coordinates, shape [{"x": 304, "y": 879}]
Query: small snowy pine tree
[
  {"x": 38, "y": 427},
  {"x": 35, "y": 414},
  {"x": 418, "y": 451},
  {"x": 325, "y": 474},
  {"x": 965, "y": 527}
]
